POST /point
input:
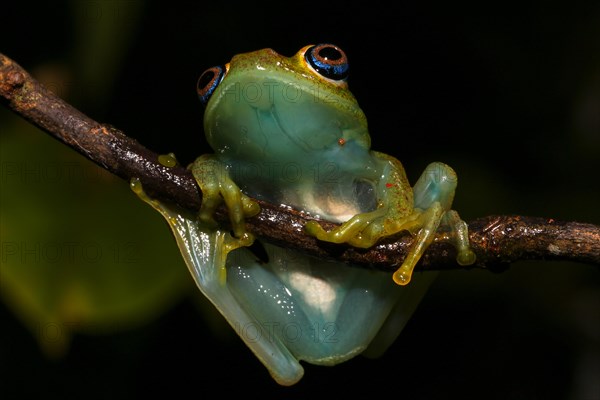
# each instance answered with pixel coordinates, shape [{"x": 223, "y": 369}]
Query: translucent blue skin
[
  {"x": 277, "y": 128},
  {"x": 284, "y": 134}
]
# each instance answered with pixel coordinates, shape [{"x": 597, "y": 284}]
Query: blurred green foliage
[{"x": 74, "y": 258}]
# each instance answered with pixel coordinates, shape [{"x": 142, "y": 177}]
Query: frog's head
[{"x": 264, "y": 105}]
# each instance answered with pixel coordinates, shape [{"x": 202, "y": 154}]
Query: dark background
[{"x": 509, "y": 97}]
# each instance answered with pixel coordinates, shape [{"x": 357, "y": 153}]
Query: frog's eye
[
  {"x": 208, "y": 82},
  {"x": 328, "y": 60}
]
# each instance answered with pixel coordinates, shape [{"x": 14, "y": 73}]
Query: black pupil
[
  {"x": 206, "y": 78},
  {"x": 330, "y": 53}
]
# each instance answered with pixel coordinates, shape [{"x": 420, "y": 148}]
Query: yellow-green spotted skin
[{"x": 287, "y": 130}]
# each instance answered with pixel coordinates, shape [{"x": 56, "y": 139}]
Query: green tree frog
[{"x": 288, "y": 131}]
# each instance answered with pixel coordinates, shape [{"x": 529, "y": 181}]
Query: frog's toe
[
  {"x": 402, "y": 276},
  {"x": 313, "y": 228},
  {"x": 360, "y": 231},
  {"x": 459, "y": 237},
  {"x": 466, "y": 257},
  {"x": 338, "y": 235},
  {"x": 232, "y": 242},
  {"x": 249, "y": 206}
]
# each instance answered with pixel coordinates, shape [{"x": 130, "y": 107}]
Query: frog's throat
[{"x": 304, "y": 145}]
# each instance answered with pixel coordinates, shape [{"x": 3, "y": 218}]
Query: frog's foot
[
  {"x": 363, "y": 230},
  {"x": 350, "y": 231},
  {"x": 454, "y": 230},
  {"x": 217, "y": 187},
  {"x": 433, "y": 195},
  {"x": 424, "y": 226}
]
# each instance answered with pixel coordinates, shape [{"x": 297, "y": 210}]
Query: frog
[{"x": 288, "y": 131}]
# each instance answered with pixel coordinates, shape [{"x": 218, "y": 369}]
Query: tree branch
[{"x": 497, "y": 240}]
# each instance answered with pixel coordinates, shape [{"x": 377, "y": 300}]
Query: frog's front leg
[
  {"x": 217, "y": 187},
  {"x": 399, "y": 210},
  {"x": 434, "y": 193},
  {"x": 438, "y": 183}
]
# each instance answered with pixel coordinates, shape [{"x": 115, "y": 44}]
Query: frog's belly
[
  {"x": 331, "y": 209},
  {"x": 336, "y": 202},
  {"x": 323, "y": 312}
]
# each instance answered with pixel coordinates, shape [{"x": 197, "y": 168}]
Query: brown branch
[{"x": 497, "y": 240}]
